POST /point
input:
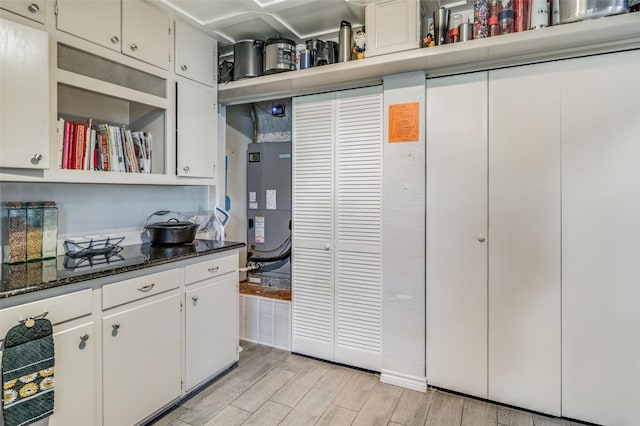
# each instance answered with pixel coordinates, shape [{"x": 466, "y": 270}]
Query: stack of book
[{"x": 85, "y": 146}]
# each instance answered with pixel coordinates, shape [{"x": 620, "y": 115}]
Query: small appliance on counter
[{"x": 171, "y": 231}]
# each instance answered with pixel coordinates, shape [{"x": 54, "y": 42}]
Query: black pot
[{"x": 172, "y": 231}]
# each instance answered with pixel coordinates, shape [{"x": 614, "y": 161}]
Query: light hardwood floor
[{"x": 274, "y": 387}]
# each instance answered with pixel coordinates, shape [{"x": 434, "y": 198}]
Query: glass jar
[
  {"x": 34, "y": 231},
  {"x": 455, "y": 22},
  {"x": 49, "y": 229},
  {"x": 14, "y": 232},
  {"x": 505, "y": 21}
]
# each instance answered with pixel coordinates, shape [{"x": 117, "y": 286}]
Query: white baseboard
[{"x": 404, "y": 380}]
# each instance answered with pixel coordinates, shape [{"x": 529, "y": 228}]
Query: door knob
[
  {"x": 116, "y": 325},
  {"x": 36, "y": 158},
  {"x": 33, "y": 8},
  {"x": 186, "y": 169},
  {"x": 134, "y": 47},
  {"x": 194, "y": 298},
  {"x": 183, "y": 68},
  {"x": 115, "y": 39},
  {"x": 84, "y": 337},
  {"x": 481, "y": 238}
]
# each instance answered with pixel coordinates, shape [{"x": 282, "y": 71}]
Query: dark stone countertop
[{"x": 29, "y": 277}]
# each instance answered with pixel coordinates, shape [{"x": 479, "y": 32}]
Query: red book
[
  {"x": 80, "y": 148},
  {"x": 65, "y": 146},
  {"x": 71, "y": 162},
  {"x": 105, "y": 152}
]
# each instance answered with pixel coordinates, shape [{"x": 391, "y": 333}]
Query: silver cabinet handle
[
  {"x": 134, "y": 47},
  {"x": 115, "y": 39},
  {"x": 115, "y": 325},
  {"x": 327, "y": 247},
  {"x": 481, "y": 238},
  {"x": 194, "y": 298},
  {"x": 84, "y": 337},
  {"x": 214, "y": 269},
  {"x": 36, "y": 157},
  {"x": 183, "y": 68},
  {"x": 33, "y": 8},
  {"x": 146, "y": 288},
  {"x": 186, "y": 169}
]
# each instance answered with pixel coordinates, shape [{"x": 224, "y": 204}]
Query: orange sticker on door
[{"x": 404, "y": 122}]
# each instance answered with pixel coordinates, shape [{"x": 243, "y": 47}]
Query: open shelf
[{"x": 609, "y": 34}]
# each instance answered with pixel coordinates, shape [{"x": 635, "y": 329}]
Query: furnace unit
[{"x": 269, "y": 213}]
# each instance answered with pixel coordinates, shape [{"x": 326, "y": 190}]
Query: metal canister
[
  {"x": 466, "y": 31},
  {"x": 247, "y": 59},
  {"x": 344, "y": 42}
]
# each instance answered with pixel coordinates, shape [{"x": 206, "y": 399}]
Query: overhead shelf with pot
[{"x": 609, "y": 34}]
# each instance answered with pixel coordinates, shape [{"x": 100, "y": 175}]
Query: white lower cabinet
[
  {"x": 141, "y": 359},
  {"x": 74, "y": 376},
  {"x": 211, "y": 331}
]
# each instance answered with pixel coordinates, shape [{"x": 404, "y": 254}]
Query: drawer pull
[
  {"x": 29, "y": 322},
  {"x": 214, "y": 269},
  {"x": 146, "y": 288},
  {"x": 84, "y": 337}
]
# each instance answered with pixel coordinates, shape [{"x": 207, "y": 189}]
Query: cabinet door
[
  {"x": 32, "y": 9},
  {"x": 95, "y": 20},
  {"x": 145, "y": 33},
  {"x": 358, "y": 182},
  {"x": 74, "y": 376},
  {"x": 24, "y": 96},
  {"x": 600, "y": 245},
  {"x": 141, "y": 360},
  {"x": 195, "y": 55},
  {"x": 456, "y": 232},
  {"x": 196, "y": 131},
  {"x": 524, "y": 237},
  {"x": 211, "y": 328},
  {"x": 313, "y": 219},
  {"x": 392, "y": 26}
]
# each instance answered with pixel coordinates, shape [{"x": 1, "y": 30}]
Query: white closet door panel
[
  {"x": 313, "y": 294},
  {"x": 358, "y": 279},
  {"x": 524, "y": 237},
  {"x": 600, "y": 244},
  {"x": 312, "y": 212},
  {"x": 313, "y": 168},
  {"x": 456, "y": 218}
]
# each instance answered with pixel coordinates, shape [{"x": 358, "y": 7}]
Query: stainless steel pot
[
  {"x": 247, "y": 57},
  {"x": 577, "y": 10},
  {"x": 279, "y": 55},
  {"x": 172, "y": 231}
]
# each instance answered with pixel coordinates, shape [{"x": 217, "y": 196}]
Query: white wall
[
  {"x": 239, "y": 131},
  {"x": 85, "y": 209},
  {"x": 403, "y": 306}
]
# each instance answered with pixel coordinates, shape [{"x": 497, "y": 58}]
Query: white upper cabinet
[
  {"x": 32, "y": 9},
  {"x": 195, "y": 55},
  {"x": 24, "y": 96},
  {"x": 133, "y": 27},
  {"x": 196, "y": 133},
  {"x": 78, "y": 18},
  {"x": 145, "y": 33},
  {"x": 392, "y": 26}
]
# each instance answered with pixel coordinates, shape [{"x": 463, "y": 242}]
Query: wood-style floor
[{"x": 274, "y": 387}]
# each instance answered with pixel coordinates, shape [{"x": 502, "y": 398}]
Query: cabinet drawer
[
  {"x": 60, "y": 309},
  {"x": 210, "y": 268},
  {"x": 139, "y": 288}
]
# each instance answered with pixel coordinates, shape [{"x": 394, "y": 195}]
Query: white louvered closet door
[
  {"x": 358, "y": 234},
  {"x": 312, "y": 212}
]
